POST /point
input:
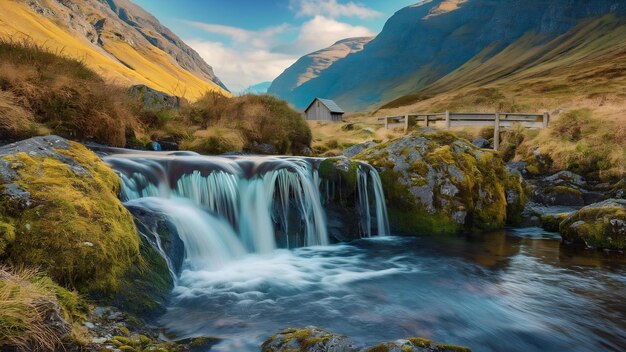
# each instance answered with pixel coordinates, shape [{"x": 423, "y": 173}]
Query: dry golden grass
[
  {"x": 233, "y": 124},
  {"x": 43, "y": 92},
  {"x": 151, "y": 66},
  {"x": 25, "y": 304}
]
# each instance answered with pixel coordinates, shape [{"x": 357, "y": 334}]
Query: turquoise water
[{"x": 515, "y": 290}]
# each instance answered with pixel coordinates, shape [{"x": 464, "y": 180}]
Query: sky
[{"x": 248, "y": 42}]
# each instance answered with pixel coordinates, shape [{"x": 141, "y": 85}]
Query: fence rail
[{"x": 498, "y": 120}]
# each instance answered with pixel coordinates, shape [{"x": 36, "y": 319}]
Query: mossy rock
[
  {"x": 601, "y": 225},
  {"x": 552, "y": 222},
  {"x": 71, "y": 224},
  {"x": 437, "y": 183},
  {"x": 307, "y": 339},
  {"x": 75, "y": 228}
]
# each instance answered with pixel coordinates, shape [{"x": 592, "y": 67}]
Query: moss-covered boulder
[
  {"x": 564, "y": 188},
  {"x": 59, "y": 212},
  {"x": 601, "y": 225},
  {"x": 307, "y": 339},
  {"x": 437, "y": 183},
  {"x": 313, "y": 339}
]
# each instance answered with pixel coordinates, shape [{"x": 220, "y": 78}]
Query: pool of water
[{"x": 514, "y": 290}]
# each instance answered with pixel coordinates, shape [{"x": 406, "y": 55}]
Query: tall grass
[
  {"x": 44, "y": 91},
  {"x": 26, "y": 302}
]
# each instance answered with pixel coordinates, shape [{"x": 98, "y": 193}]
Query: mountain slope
[
  {"x": 425, "y": 42},
  {"x": 114, "y": 37},
  {"x": 312, "y": 65}
]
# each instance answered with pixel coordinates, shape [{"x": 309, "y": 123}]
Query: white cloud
[
  {"x": 331, "y": 8},
  {"x": 321, "y": 32},
  {"x": 261, "y": 38},
  {"x": 239, "y": 67},
  {"x": 250, "y": 57}
]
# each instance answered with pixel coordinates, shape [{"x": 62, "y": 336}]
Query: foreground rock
[
  {"x": 437, "y": 183},
  {"x": 60, "y": 212},
  {"x": 601, "y": 225},
  {"x": 313, "y": 339}
]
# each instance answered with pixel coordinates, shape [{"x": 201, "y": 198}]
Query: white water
[{"x": 226, "y": 207}]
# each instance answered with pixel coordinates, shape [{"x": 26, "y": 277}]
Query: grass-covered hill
[
  {"x": 43, "y": 92},
  {"x": 115, "y": 38}
]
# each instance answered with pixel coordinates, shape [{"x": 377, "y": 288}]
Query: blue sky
[{"x": 248, "y": 42}]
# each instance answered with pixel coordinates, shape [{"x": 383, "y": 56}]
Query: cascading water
[{"x": 225, "y": 207}]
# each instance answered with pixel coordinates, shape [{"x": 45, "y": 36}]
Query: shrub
[{"x": 43, "y": 89}]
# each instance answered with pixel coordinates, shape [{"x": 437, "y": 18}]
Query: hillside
[
  {"x": 424, "y": 43},
  {"x": 312, "y": 65},
  {"x": 116, "y": 38}
]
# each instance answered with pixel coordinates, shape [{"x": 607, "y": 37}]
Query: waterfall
[
  {"x": 224, "y": 207},
  {"x": 368, "y": 178}
]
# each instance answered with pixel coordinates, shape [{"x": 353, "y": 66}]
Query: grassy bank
[{"x": 43, "y": 92}]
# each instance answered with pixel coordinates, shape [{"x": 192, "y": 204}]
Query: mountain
[
  {"x": 425, "y": 42},
  {"x": 260, "y": 88},
  {"x": 312, "y": 65},
  {"x": 116, "y": 38}
]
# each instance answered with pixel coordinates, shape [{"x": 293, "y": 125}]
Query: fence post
[
  {"x": 406, "y": 123},
  {"x": 496, "y": 132},
  {"x": 448, "y": 124},
  {"x": 546, "y": 119},
  {"x": 386, "y": 122},
  {"x": 426, "y": 118}
]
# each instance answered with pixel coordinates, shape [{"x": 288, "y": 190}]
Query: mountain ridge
[
  {"x": 117, "y": 39},
  {"x": 415, "y": 49}
]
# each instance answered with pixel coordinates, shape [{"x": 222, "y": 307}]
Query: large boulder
[
  {"x": 437, "y": 183},
  {"x": 60, "y": 212},
  {"x": 601, "y": 225}
]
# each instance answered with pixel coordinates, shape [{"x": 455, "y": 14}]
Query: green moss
[
  {"x": 452, "y": 348},
  {"x": 596, "y": 227},
  {"x": 124, "y": 330},
  {"x": 77, "y": 230},
  {"x": 551, "y": 222},
  {"x": 420, "y": 168},
  {"x": 383, "y": 347},
  {"x": 420, "y": 342},
  {"x": 7, "y": 235}
]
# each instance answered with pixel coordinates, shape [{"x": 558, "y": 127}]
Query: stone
[
  {"x": 481, "y": 142},
  {"x": 601, "y": 225},
  {"x": 357, "y": 149},
  {"x": 437, "y": 183},
  {"x": 153, "y": 99},
  {"x": 309, "y": 339},
  {"x": 262, "y": 148}
]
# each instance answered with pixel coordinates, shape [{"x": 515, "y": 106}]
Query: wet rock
[
  {"x": 481, "y": 142},
  {"x": 262, "y": 148},
  {"x": 309, "y": 339},
  {"x": 152, "y": 224},
  {"x": 313, "y": 339},
  {"x": 357, "y": 149},
  {"x": 600, "y": 225}
]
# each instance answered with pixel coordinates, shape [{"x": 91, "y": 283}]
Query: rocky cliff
[
  {"x": 424, "y": 42},
  {"x": 116, "y": 38}
]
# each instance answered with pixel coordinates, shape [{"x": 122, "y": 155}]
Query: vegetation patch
[{"x": 75, "y": 229}]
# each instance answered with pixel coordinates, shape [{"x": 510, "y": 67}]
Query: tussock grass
[
  {"x": 42, "y": 91},
  {"x": 27, "y": 298}
]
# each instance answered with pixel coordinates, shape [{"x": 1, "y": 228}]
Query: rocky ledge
[
  {"x": 437, "y": 183},
  {"x": 314, "y": 339}
]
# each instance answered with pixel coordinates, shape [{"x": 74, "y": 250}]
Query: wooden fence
[{"x": 498, "y": 120}]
